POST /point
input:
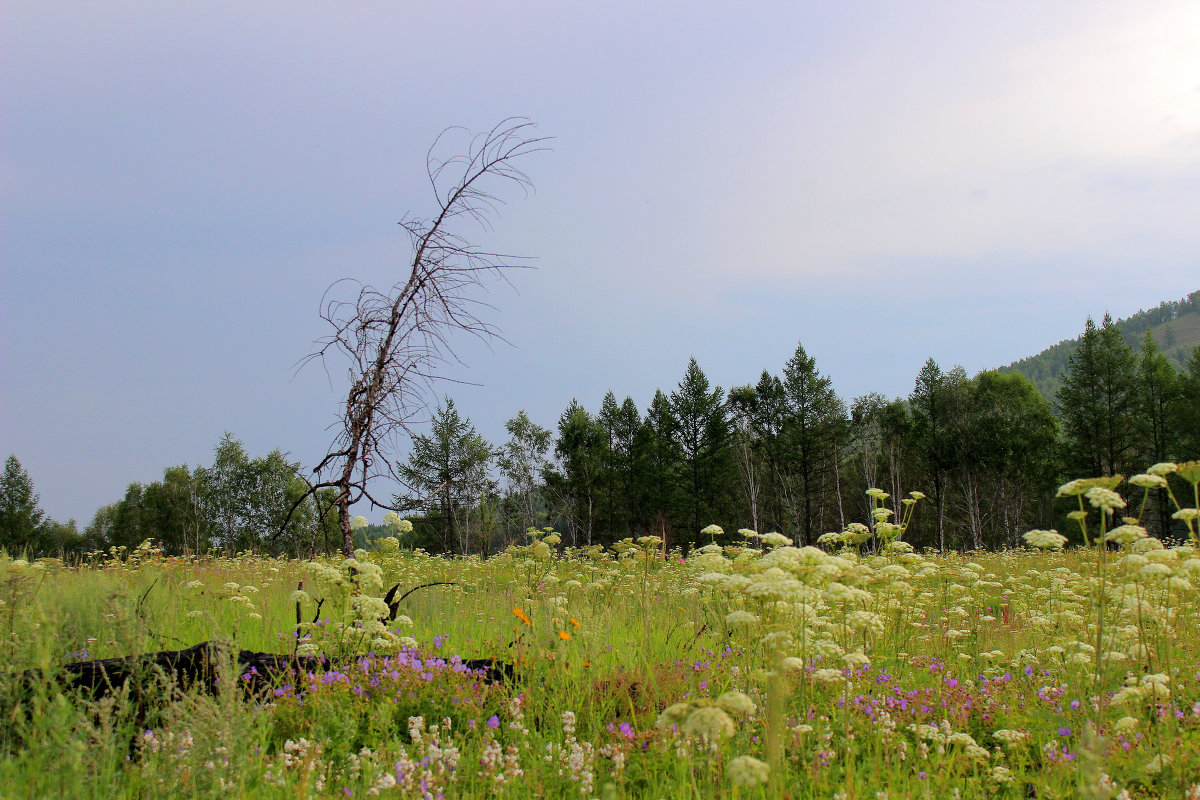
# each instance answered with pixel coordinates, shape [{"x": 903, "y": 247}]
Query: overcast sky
[{"x": 883, "y": 182}]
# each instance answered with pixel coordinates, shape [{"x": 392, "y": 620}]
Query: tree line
[{"x": 784, "y": 453}]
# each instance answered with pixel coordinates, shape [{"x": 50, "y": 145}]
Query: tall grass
[{"x": 749, "y": 668}]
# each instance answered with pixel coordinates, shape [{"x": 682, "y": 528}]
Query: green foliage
[
  {"x": 522, "y": 461},
  {"x": 448, "y": 472},
  {"x": 1098, "y": 403},
  {"x": 1175, "y": 326},
  {"x": 702, "y": 433},
  {"x": 20, "y": 515}
]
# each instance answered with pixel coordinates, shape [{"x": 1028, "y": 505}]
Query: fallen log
[{"x": 200, "y": 667}]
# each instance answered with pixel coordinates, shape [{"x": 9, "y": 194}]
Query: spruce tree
[
  {"x": 20, "y": 516},
  {"x": 813, "y": 423},
  {"x": 703, "y": 435},
  {"x": 1098, "y": 403}
]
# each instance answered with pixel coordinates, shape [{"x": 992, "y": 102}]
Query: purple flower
[
  {"x": 1075, "y": 705},
  {"x": 1028, "y": 671},
  {"x": 493, "y": 722},
  {"x": 1064, "y": 731}
]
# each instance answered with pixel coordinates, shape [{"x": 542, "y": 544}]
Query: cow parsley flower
[
  {"x": 748, "y": 771},
  {"x": 1104, "y": 499},
  {"x": 1148, "y": 481},
  {"x": 737, "y": 703},
  {"x": 1125, "y": 534},
  {"x": 709, "y": 722},
  {"x": 1045, "y": 540},
  {"x": 776, "y": 540}
]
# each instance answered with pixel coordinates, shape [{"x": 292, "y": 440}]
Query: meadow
[{"x": 746, "y": 668}]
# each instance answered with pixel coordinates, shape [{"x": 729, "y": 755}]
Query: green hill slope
[{"x": 1175, "y": 326}]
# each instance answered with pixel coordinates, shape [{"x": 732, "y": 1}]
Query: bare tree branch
[{"x": 397, "y": 341}]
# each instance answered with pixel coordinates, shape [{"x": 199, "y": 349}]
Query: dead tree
[{"x": 397, "y": 340}]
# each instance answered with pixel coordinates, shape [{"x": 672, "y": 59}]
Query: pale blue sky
[{"x": 883, "y": 182}]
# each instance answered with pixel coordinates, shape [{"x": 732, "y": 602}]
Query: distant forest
[
  {"x": 1174, "y": 324},
  {"x": 783, "y": 453}
]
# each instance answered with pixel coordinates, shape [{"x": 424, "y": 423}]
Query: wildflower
[
  {"x": 566, "y": 637},
  {"x": 1148, "y": 481},
  {"x": 1009, "y": 738},
  {"x": 521, "y": 616},
  {"x": 1186, "y": 514},
  {"x": 1189, "y": 471},
  {"x": 746, "y": 533},
  {"x": 1002, "y": 775},
  {"x": 576, "y": 623},
  {"x": 877, "y": 494},
  {"x": 358, "y": 523},
  {"x": 748, "y": 771},
  {"x": 1125, "y": 725},
  {"x": 741, "y": 617},
  {"x": 1073, "y": 488},
  {"x": 856, "y": 660},
  {"x": 674, "y": 714},
  {"x": 827, "y": 675},
  {"x": 712, "y": 531},
  {"x": 917, "y": 495},
  {"x": 1163, "y": 468},
  {"x": 709, "y": 722},
  {"x": 1045, "y": 540},
  {"x": 736, "y": 703},
  {"x": 1104, "y": 499},
  {"x": 776, "y": 540},
  {"x": 1125, "y": 534}
]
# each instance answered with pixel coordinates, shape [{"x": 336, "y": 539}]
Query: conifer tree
[
  {"x": 814, "y": 423},
  {"x": 21, "y": 517},
  {"x": 661, "y": 466},
  {"x": 580, "y": 449},
  {"x": 702, "y": 434},
  {"x": 449, "y": 466},
  {"x": 1098, "y": 403}
]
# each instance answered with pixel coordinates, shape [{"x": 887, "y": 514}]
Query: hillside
[{"x": 1175, "y": 326}]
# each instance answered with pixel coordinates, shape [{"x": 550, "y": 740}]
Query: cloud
[{"x": 1073, "y": 142}]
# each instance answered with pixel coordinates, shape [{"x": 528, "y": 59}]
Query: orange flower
[
  {"x": 564, "y": 636},
  {"x": 575, "y": 622},
  {"x": 521, "y": 616}
]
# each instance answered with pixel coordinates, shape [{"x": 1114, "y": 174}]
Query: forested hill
[{"x": 1175, "y": 325}]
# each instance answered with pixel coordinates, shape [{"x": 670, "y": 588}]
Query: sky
[{"x": 883, "y": 183}]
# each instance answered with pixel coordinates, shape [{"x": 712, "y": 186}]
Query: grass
[{"x": 736, "y": 672}]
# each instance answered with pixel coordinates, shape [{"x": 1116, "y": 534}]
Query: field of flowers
[{"x": 746, "y": 668}]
